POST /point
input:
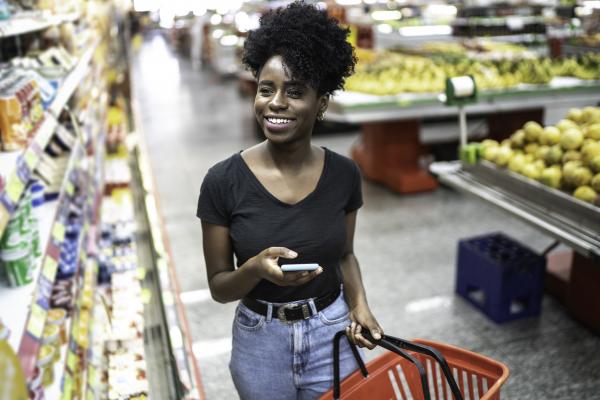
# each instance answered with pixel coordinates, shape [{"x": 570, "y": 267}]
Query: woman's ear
[{"x": 323, "y": 103}]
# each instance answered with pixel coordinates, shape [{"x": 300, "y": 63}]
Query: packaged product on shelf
[
  {"x": 17, "y": 253},
  {"x": 21, "y": 109},
  {"x": 62, "y": 294},
  {"x": 36, "y": 388},
  {"x": 4, "y": 10},
  {"x": 51, "y": 337},
  {"x": 57, "y": 317},
  {"x": 45, "y": 364}
]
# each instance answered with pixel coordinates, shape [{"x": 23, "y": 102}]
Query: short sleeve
[
  {"x": 355, "y": 201},
  {"x": 212, "y": 205}
]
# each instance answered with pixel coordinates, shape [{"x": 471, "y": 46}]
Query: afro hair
[{"x": 311, "y": 44}]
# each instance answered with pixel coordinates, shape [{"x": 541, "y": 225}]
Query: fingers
[
  {"x": 354, "y": 333},
  {"x": 284, "y": 252},
  {"x": 301, "y": 277}
]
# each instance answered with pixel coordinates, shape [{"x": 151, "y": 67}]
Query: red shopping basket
[{"x": 426, "y": 370}]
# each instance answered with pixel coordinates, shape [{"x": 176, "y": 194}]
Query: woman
[{"x": 287, "y": 201}]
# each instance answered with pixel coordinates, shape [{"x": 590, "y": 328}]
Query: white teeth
[{"x": 280, "y": 121}]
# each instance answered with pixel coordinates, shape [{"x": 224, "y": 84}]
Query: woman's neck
[{"x": 290, "y": 156}]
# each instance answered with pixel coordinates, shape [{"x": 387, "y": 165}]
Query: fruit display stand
[
  {"x": 573, "y": 277},
  {"x": 390, "y": 148}
]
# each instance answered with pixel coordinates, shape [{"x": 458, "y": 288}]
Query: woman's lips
[{"x": 279, "y": 124}]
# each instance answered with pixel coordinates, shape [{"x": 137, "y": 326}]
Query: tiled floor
[{"x": 406, "y": 245}]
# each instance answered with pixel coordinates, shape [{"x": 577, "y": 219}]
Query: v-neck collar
[{"x": 270, "y": 195}]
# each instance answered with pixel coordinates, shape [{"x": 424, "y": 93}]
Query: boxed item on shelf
[
  {"x": 500, "y": 276},
  {"x": 21, "y": 109}
]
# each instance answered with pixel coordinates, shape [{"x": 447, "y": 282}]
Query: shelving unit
[
  {"x": 20, "y": 25},
  {"x": 31, "y": 155},
  {"x": 573, "y": 277}
]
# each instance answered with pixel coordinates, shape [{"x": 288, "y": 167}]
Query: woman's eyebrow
[
  {"x": 286, "y": 83},
  {"x": 294, "y": 83}
]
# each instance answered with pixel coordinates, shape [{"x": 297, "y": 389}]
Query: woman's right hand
[{"x": 265, "y": 266}]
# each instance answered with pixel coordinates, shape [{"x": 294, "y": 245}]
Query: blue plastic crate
[{"x": 500, "y": 277}]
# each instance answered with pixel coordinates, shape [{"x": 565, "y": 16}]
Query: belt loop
[
  {"x": 313, "y": 307},
  {"x": 269, "y": 312}
]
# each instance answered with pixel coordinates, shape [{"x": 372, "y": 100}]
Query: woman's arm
[
  {"x": 354, "y": 292},
  {"x": 228, "y": 284}
]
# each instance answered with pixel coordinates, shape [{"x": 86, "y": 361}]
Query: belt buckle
[{"x": 289, "y": 306}]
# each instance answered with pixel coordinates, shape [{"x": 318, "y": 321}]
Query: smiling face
[{"x": 286, "y": 109}]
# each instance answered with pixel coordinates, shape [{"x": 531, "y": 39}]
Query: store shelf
[
  {"x": 353, "y": 107},
  {"x": 42, "y": 285},
  {"x": 28, "y": 24},
  {"x": 177, "y": 329},
  {"x": 560, "y": 215},
  {"x": 15, "y": 301},
  {"x": 31, "y": 155}
]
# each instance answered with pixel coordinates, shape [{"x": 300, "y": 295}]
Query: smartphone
[{"x": 299, "y": 267}]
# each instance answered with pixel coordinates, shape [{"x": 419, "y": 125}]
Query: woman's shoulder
[
  {"x": 225, "y": 168},
  {"x": 340, "y": 162}
]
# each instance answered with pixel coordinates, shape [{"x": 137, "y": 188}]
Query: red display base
[{"x": 389, "y": 154}]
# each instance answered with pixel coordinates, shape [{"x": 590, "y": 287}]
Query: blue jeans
[{"x": 271, "y": 359}]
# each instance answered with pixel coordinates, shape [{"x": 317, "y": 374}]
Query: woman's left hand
[{"x": 362, "y": 318}]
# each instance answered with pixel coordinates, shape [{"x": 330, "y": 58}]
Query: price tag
[
  {"x": 146, "y": 295},
  {"x": 58, "y": 231},
  {"x": 92, "y": 376},
  {"x": 70, "y": 189},
  {"x": 37, "y": 319},
  {"x": 49, "y": 270},
  {"x": 71, "y": 360},
  {"x": 31, "y": 159},
  {"x": 15, "y": 188},
  {"x": 141, "y": 273},
  {"x": 67, "y": 392}
]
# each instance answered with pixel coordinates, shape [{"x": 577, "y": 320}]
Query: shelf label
[
  {"x": 146, "y": 296},
  {"x": 58, "y": 231},
  {"x": 37, "y": 319},
  {"x": 15, "y": 188},
  {"x": 70, "y": 189},
  {"x": 92, "y": 376},
  {"x": 49, "y": 269},
  {"x": 67, "y": 392},
  {"x": 71, "y": 360},
  {"x": 141, "y": 273},
  {"x": 11, "y": 374},
  {"x": 31, "y": 158}
]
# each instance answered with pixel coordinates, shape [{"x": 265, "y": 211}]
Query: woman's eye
[
  {"x": 264, "y": 91},
  {"x": 295, "y": 93}
]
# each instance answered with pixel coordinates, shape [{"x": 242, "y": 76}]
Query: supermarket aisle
[{"x": 191, "y": 120}]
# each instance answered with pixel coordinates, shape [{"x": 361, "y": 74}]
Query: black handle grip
[
  {"x": 427, "y": 350},
  {"x": 383, "y": 343}
]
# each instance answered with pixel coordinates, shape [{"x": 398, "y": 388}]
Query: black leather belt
[{"x": 293, "y": 311}]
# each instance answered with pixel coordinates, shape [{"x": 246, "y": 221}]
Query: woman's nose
[{"x": 279, "y": 101}]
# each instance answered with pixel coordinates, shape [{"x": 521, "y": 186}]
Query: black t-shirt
[{"x": 315, "y": 227}]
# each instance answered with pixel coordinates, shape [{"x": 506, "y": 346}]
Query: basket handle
[
  {"x": 427, "y": 350},
  {"x": 336, "y": 362},
  {"x": 383, "y": 343}
]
